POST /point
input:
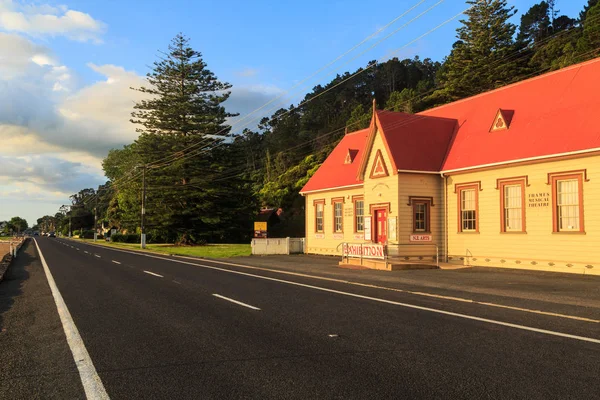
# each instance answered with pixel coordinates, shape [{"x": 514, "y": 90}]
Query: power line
[{"x": 299, "y": 105}]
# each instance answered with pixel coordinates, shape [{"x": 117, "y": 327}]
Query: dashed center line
[
  {"x": 152, "y": 273},
  {"x": 236, "y": 302},
  {"x": 96, "y": 255},
  {"x": 86, "y": 252},
  {"x": 116, "y": 262}
]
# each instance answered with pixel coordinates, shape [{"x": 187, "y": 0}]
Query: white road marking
[
  {"x": 332, "y": 335},
  {"x": 77, "y": 248},
  {"x": 179, "y": 283},
  {"x": 452, "y": 298},
  {"x": 236, "y": 302},
  {"x": 85, "y": 251},
  {"x": 152, "y": 273},
  {"x": 465, "y": 316},
  {"x": 116, "y": 262},
  {"x": 96, "y": 255},
  {"x": 92, "y": 384}
]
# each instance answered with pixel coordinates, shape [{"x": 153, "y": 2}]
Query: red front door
[{"x": 381, "y": 226}]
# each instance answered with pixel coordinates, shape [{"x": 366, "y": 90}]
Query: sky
[{"x": 66, "y": 68}]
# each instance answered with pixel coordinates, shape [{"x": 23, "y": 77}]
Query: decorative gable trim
[
  {"x": 379, "y": 169},
  {"x": 375, "y": 127},
  {"x": 502, "y": 120}
]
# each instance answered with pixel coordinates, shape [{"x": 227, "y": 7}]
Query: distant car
[
  {"x": 36, "y": 234},
  {"x": 51, "y": 234}
]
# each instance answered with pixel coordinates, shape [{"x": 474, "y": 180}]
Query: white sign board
[
  {"x": 421, "y": 238},
  {"x": 367, "y": 222},
  {"x": 364, "y": 250},
  {"x": 392, "y": 229}
]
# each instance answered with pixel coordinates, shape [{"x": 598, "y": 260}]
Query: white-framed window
[
  {"x": 359, "y": 215},
  {"x": 513, "y": 208},
  {"x": 468, "y": 210},
  {"x": 319, "y": 207},
  {"x": 567, "y": 204},
  {"x": 338, "y": 216}
]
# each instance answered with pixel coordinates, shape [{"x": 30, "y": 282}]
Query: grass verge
[{"x": 209, "y": 250}]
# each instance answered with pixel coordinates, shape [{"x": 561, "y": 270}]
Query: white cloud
[
  {"x": 54, "y": 132},
  {"x": 47, "y": 20}
]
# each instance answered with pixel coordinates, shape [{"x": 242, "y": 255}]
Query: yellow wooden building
[{"x": 508, "y": 178}]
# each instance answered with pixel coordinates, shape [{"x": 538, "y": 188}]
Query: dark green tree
[
  {"x": 536, "y": 24},
  {"x": 185, "y": 98},
  {"x": 476, "y": 63},
  {"x": 17, "y": 224},
  {"x": 588, "y": 45},
  {"x": 583, "y": 14}
]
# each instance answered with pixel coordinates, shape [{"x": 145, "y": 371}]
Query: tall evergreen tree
[
  {"x": 182, "y": 127},
  {"x": 185, "y": 98},
  {"x": 535, "y": 24},
  {"x": 476, "y": 61},
  {"x": 586, "y": 8}
]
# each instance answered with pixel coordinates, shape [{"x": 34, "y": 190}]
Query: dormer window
[
  {"x": 350, "y": 156},
  {"x": 502, "y": 120}
]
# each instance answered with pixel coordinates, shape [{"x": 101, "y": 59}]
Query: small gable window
[
  {"x": 350, "y": 156},
  {"x": 502, "y": 120}
]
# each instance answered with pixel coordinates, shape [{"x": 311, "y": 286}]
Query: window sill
[
  {"x": 468, "y": 232},
  {"x": 569, "y": 233},
  {"x": 514, "y": 232},
  {"x": 422, "y": 233}
]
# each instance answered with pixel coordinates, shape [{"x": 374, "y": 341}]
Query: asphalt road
[{"x": 159, "y": 328}]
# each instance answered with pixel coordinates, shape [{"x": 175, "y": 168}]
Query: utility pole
[
  {"x": 96, "y": 219},
  {"x": 142, "y": 229}
]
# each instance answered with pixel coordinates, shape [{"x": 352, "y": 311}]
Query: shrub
[
  {"x": 129, "y": 238},
  {"x": 87, "y": 234}
]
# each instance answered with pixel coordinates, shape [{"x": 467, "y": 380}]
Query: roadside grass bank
[{"x": 209, "y": 250}]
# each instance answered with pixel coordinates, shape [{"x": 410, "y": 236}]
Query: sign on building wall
[
  {"x": 367, "y": 222},
  {"x": 420, "y": 238},
  {"x": 260, "y": 229},
  {"x": 538, "y": 199},
  {"x": 364, "y": 250},
  {"x": 392, "y": 229}
]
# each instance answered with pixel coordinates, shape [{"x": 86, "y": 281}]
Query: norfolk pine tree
[{"x": 186, "y": 201}]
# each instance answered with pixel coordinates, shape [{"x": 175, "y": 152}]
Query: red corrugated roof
[
  {"x": 334, "y": 172},
  {"x": 547, "y": 115},
  {"x": 553, "y": 114},
  {"x": 416, "y": 142}
]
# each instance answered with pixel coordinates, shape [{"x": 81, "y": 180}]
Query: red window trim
[
  {"x": 334, "y": 201},
  {"x": 315, "y": 202},
  {"x": 553, "y": 177},
  {"x": 501, "y": 184},
  {"x": 354, "y": 200},
  {"x": 458, "y": 188}
]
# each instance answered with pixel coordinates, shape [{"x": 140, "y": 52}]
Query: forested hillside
[{"x": 206, "y": 182}]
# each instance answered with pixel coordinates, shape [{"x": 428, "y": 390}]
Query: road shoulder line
[{"x": 92, "y": 384}]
